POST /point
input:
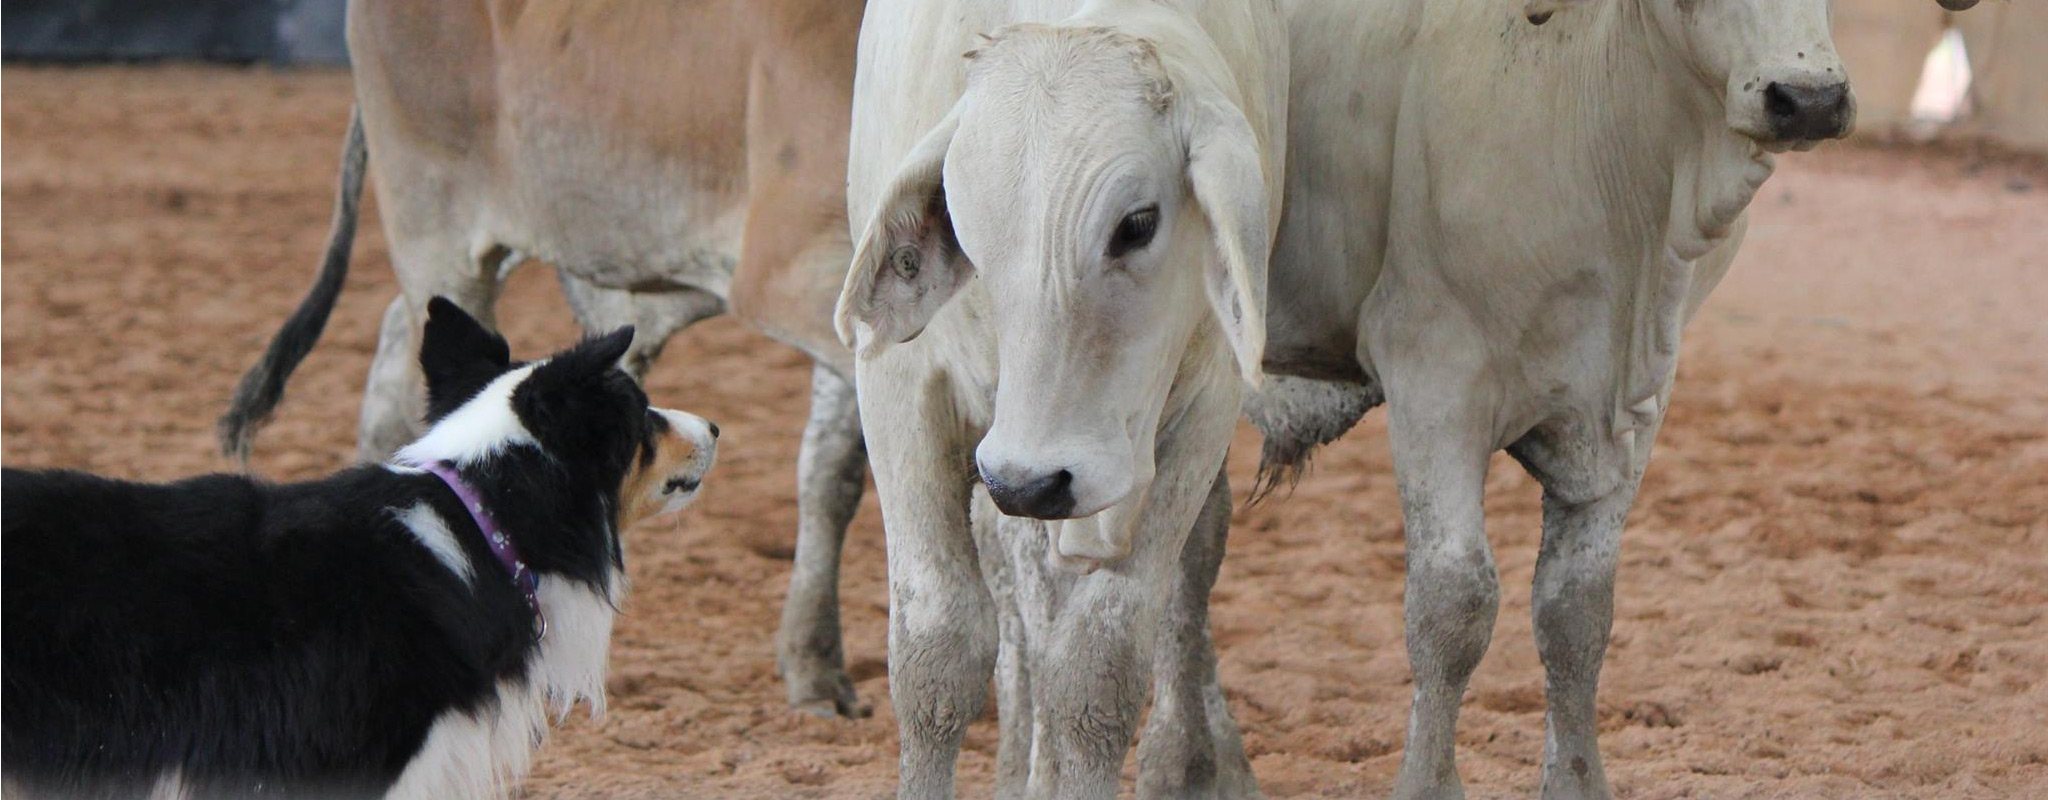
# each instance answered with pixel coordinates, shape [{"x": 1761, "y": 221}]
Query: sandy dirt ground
[{"x": 1835, "y": 584}]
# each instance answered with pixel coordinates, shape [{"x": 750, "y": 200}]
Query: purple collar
[{"x": 501, "y": 545}]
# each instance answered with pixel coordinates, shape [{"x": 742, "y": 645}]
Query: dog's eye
[{"x": 1134, "y": 232}]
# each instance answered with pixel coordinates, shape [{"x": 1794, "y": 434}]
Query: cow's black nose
[
  {"x": 713, "y": 426},
  {"x": 1807, "y": 113},
  {"x": 1043, "y": 496}
]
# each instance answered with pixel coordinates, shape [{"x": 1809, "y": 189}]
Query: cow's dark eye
[{"x": 1134, "y": 232}]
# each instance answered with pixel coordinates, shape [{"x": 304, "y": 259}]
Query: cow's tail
[{"x": 262, "y": 387}]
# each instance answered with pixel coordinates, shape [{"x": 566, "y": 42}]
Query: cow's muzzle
[
  {"x": 1808, "y": 113},
  {"x": 1023, "y": 493}
]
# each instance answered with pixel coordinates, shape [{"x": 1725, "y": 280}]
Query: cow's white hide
[{"x": 1005, "y": 333}]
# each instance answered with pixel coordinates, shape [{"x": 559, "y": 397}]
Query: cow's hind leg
[
  {"x": 1191, "y": 747},
  {"x": 391, "y": 407},
  {"x": 429, "y": 263},
  {"x": 1585, "y": 503},
  {"x": 831, "y": 471},
  {"x": 655, "y": 316},
  {"x": 1453, "y": 589}
]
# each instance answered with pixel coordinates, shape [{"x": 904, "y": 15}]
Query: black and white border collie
[{"x": 395, "y": 630}]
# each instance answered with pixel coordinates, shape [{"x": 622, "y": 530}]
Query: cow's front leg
[
  {"x": 1092, "y": 640},
  {"x": 1191, "y": 747},
  {"x": 1453, "y": 590},
  {"x": 1089, "y": 673},
  {"x": 830, "y": 471},
  {"x": 1588, "y": 487},
  {"x": 1005, "y": 543},
  {"x": 942, "y": 622},
  {"x": 1574, "y": 611},
  {"x": 942, "y": 649}
]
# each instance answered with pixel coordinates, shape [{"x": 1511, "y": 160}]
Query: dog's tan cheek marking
[
  {"x": 639, "y": 488},
  {"x": 671, "y": 451}
]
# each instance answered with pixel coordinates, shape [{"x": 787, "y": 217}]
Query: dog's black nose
[
  {"x": 1807, "y": 113},
  {"x": 1046, "y": 496},
  {"x": 714, "y": 428}
]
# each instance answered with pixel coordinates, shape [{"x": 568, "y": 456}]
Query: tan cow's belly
[
  {"x": 607, "y": 137},
  {"x": 621, "y": 220},
  {"x": 637, "y": 144}
]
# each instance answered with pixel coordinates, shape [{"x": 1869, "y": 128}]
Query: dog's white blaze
[
  {"x": 433, "y": 533},
  {"x": 483, "y": 426},
  {"x": 698, "y": 431},
  {"x": 486, "y": 754}
]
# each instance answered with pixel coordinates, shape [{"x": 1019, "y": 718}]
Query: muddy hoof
[{"x": 824, "y": 691}]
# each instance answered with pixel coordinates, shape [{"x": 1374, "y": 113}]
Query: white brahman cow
[
  {"x": 667, "y": 158},
  {"x": 1058, "y": 288},
  {"x": 1499, "y": 217}
]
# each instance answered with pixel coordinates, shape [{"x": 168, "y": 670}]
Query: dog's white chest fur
[{"x": 485, "y": 754}]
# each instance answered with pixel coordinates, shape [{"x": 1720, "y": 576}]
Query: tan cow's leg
[
  {"x": 831, "y": 475},
  {"x": 793, "y": 258},
  {"x": 429, "y": 217},
  {"x": 655, "y": 316},
  {"x": 436, "y": 263},
  {"x": 390, "y": 392}
]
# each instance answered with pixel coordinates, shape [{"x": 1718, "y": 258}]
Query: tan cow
[{"x": 668, "y": 158}]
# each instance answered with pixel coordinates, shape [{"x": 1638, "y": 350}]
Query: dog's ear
[
  {"x": 579, "y": 401},
  {"x": 592, "y": 358},
  {"x": 459, "y": 357}
]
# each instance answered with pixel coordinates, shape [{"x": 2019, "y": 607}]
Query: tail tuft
[{"x": 1296, "y": 416}]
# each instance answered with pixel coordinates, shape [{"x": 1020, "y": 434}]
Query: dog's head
[{"x": 572, "y": 423}]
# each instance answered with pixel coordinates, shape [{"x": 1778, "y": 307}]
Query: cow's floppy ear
[
  {"x": 907, "y": 263},
  {"x": 458, "y": 356},
  {"x": 1229, "y": 182}
]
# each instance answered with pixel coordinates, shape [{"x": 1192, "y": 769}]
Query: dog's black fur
[{"x": 297, "y": 640}]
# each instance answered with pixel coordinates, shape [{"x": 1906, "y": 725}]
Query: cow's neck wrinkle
[
  {"x": 1714, "y": 172},
  {"x": 1654, "y": 132},
  {"x": 1701, "y": 173}
]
